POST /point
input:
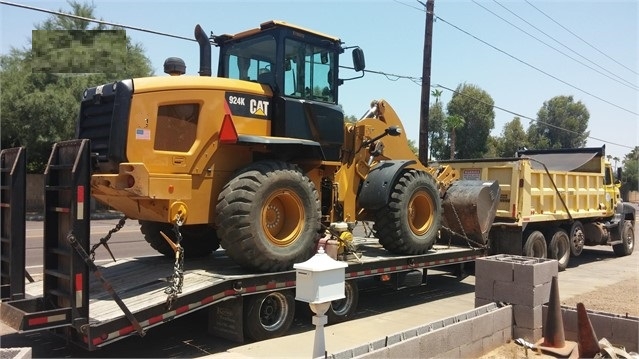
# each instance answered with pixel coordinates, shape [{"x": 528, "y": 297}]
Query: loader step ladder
[
  {"x": 66, "y": 200},
  {"x": 13, "y": 168}
]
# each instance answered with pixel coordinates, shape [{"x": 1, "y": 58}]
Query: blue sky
[{"x": 392, "y": 33}]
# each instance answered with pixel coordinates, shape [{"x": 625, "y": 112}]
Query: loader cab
[{"x": 300, "y": 67}]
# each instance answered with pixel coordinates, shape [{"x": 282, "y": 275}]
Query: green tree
[
  {"x": 513, "y": 138},
  {"x": 41, "y": 107},
  {"x": 437, "y": 135},
  {"x": 631, "y": 170},
  {"x": 475, "y": 106},
  {"x": 561, "y": 123},
  {"x": 413, "y": 147},
  {"x": 453, "y": 124}
]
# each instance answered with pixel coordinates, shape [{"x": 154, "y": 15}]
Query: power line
[
  {"x": 534, "y": 67},
  {"x": 584, "y": 41},
  {"x": 94, "y": 20},
  {"x": 620, "y": 80}
]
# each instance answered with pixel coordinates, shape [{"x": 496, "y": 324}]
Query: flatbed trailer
[{"x": 93, "y": 306}]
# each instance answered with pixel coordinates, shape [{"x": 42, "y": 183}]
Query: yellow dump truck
[{"x": 553, "y": 202}]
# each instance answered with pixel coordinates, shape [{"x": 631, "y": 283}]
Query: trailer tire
[
  {"x": 559, "y": 248},
  {"x": 535, "y": 245},
  {"x": 268, "y": 216},
  {"x": 627, "y": 244},
  {"x": 409, "y": 222},
  {"x": 577, "y": 238},
  {"x": 198, "y": 240},
  {"x": 342, "y": 310},
  {"x": 268, "y": 315}
]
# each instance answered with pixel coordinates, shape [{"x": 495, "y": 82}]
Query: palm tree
[
  {"x": 436, "y": 94},
  {"x": 616, "y": 159},
  {"x": 452, "y": 123}
]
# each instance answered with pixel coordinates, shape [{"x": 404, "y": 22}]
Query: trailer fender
[{"x": 378, "y": 185}]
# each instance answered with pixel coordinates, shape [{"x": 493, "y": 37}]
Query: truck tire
[
  {"x": 408, "y": 224},
  {"x": 198, "y": 240},
  {"x": 268, "y": 216},
  {"x": 577, "y": 238},
  {"x": 627, "y": 244},
  {"x": 268, "y": 315},
  {"x": 535, "y": 245},
  {"x": 559, "y": 248},
  {"x": 342, "y": 310}
]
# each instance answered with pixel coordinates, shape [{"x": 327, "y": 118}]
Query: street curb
[{"x": 94, "y": 215}]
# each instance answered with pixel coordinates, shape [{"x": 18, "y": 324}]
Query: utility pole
[{"x": 425, "y": 101}]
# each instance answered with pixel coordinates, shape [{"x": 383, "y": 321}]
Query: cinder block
[
  {"x": 484, "y": 287},
  {"x": 459, "y": 333},
  {"x": 528, "y": 317},
  {"x": 495, "y": 268},
  {"x": 451, "y": 354},
  {"x": 537, "y": 273},
  {"x": 522, "y": 295},
  {"x": 434, "y": 343},
  {"x": 480, "y": 302},
  {"x": 406, "y": 349},
  {"x": 473, "y": 349},
  {"x": 392, "y": 339},
  {"x": 625, "y": 329},
  {"x": 482, "y": 326},
  {"x": 382, "y": 353},
  {"x": 602, "y": 324},
  {"x": 531, "y": 335},
  {"x": 503, "y": 318}
]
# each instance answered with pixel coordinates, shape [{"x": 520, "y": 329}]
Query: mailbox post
[{"x": 319, "y": 281}]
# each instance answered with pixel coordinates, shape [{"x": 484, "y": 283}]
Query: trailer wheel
[
  {"x": 577, "y": 238},
  {"x": 268, "y": 216},
  {"x": 408, "y": 224},
  {"x": 198, "y": 240},
  {"x": 535, "y": 245},
  {"x": 627, "y": 244},
  {"x": 268, "y": 315},
  {"x": 559, "y": 249},
  {"x": 342, "y": 310}
]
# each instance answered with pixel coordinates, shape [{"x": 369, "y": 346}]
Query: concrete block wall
[
  {"x": 466, "y": 335},
  {"x": 619, "y": 330},
  {"x": 522, "y": 282}
]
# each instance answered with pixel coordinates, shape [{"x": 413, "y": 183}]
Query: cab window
[
  {"x": 308, "y": 72},
  {"x": 251, "y": 60}
]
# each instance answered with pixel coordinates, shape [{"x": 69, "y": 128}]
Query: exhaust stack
[{"x": 205, "y": 51}]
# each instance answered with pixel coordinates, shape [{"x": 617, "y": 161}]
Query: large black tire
[
  {"x": 535, "y": 245},
  {"x": 198, "y": 240},
  {"x": 268, "y": 217},
  {"x": 268, "y": 315},
  {"x": 559, "y": 248},
  {"x": 577, "y": 238},
  {"x": 627, "y": 237},
  {"x": 408, "y": 224},
  {"x": 343, "y": 309}
]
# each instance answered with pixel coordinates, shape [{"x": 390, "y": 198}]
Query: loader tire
[
  {"x": 198, "y": 240},
  {"x": 627, "y": 237},
  {"x": 268, "y": 315},
  {"x": 268, "y": 216},
  {"x": 408, "y": 224}
]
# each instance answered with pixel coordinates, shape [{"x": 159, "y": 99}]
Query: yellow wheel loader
[{"x": 259, "y": 158}]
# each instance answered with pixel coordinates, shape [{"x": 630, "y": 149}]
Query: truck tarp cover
[{"x": 564, "y": 161}]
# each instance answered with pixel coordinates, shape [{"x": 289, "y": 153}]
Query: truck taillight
[{"x": 228, "y": 134}]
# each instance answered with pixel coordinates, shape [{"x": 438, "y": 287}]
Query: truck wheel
[
  {"x": 343, "y": 309},
  {"x": 408, "y": 224},
  {"x": 268, "y": 216},
  {"x": 535, "y": 245},
  {"x": 577, "y": 238},
  {"x": 627, "y": 244},
  {"x": 559, "y": 248},
  {"x": 268, "y": 315},
  {"x": 198, "y": 240}
]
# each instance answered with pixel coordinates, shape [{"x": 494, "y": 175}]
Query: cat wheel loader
[{"x": 259, "y": 159}]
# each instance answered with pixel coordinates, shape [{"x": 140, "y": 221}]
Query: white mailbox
[{"x": 320, "y": 279}]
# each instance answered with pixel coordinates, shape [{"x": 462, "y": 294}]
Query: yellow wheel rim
[
  {"x": 282, "y": 217},
  {"x": 420, "y": 213}
]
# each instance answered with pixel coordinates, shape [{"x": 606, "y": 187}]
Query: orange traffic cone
[
  {"x": 554, "y": 340},
  {"x": 587, "y": 341}
]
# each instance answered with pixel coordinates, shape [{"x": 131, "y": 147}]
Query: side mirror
[
  {"x": 359, "y": 63},
  {"x": 393, "y": 131}
]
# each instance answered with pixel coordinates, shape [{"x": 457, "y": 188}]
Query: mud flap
[
  {"x": 469, "y": 209},
  {"x": 226, "y": 320}
]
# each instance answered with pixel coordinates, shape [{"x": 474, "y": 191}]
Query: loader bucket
[{"x": 469, "y": 207}]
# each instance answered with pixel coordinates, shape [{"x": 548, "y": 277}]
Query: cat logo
[{"x": 258, "y": 107}]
